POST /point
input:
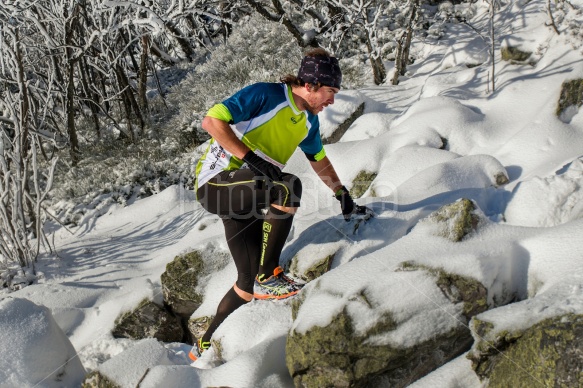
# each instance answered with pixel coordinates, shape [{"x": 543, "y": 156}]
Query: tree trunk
[
  {"x": 143, "y": 74},
  {"x": 70, "y": 95},
  {"x": 408, "y": 38},
  {"x": 378, "y": 68}
]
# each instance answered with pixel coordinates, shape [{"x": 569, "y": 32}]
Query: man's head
[
  {"x": 318, "y": 68},
  {"x": 318, "y": 80}
]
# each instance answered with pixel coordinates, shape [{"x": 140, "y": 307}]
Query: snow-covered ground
[{"x": 531, "y": 237}]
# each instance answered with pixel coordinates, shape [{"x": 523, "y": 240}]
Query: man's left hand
[{"x": 347, "y": 204}]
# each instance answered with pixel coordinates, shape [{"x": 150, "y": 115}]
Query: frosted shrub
[{"x": 256, "y": 51}]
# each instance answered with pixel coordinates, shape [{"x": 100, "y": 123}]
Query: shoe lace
[{"x": 202, "y": 346}]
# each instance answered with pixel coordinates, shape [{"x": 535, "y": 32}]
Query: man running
[{"x": 254, "y": 133}]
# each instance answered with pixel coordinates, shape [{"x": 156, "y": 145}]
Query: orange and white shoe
[
  {"x": 277, "y": 286},
  {"x": 197, "y": 349}
]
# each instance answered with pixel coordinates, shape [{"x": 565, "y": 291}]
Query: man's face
[{"x": 319, "y": 99}]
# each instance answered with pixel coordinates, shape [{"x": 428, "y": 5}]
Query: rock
[
  {"x": 198, "y": 326},
  {"x": 317, "y": 269},
  {"x": 96, "y": 380},
  {"x": 342, "y": 128},
  {"x": 35, "y": 351},
  {"x": 337, "y": 355},
  {"x": 571, "y": 95},
  {"x": 334, "y": 356},
  {"x": 361, "y": 183},
  {"x": 128, "y": 368},
  {"x": 454, "y": 221},
  {"x": 549, "y": 353},
  {"x": 457, "y": 288},
  {"x": 514, "y": 54},
  {"x": 149, "y": 320},
  {"x": 501, "y": 179},
  {"x": 179, "y": 283}
]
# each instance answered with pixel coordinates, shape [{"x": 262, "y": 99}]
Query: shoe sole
[{"x": 268, "y": 296}]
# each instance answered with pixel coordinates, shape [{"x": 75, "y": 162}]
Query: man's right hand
[{"x": 262, "y": 167}]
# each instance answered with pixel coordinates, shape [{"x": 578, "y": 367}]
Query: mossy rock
[
  {"x": 342, "y": 128},
  {"x": 547, "y": 354},
  {"x": 317, "y": 269},
  {"x": 571, "y": 95},
  {"x": 456, "y": 220},
  {"x": 96, "y": 380},
  {"x": 361, "y": 183},
  {"x": 501, "y": 179},
  {"x": 335, "y": 356},
  {"x": 198, "y": 326},
  {"x": 179, "y": 282},
  {"x": 514, "y": 54},
  {"x": 148, "y": 320},
  {"x": 457, "y": 288}
]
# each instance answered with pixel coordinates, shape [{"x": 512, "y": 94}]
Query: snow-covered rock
[
  {"x": 35, "y": 351},
  {"x": 128, "y": 368}
]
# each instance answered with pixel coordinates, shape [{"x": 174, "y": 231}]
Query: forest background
[{"x": 101, "y": 101}]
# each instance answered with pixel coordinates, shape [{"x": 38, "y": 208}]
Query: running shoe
[
  {"x": 197, "y": 349},
  {"x": 277, "y": 286}
]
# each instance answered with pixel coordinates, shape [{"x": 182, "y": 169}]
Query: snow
[
  {"x": 36, "y": 352},
  {"x": 526, "y": 247}
]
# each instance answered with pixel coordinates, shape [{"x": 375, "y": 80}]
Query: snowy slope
[{"x": 530, "y": 244}]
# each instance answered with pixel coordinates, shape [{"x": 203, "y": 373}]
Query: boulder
[
  {"x": 96, "y": 379},
  {"x": 35, "y": 351},
  {"x": 335, "y": 356},
  {"x": 514, "y": 54},
  {"x": 338, "y": 355},
  {"x": 361, "y": 183},
  {"x": 316, "y": 268},
  {"x": 458, "y": 289},
  {"x": 343, "y": 127},
  {"x": 128, "y": 368},
  {"x": 198, "y": 326},
  {"x": 571, "y": 96},
  {"x": 548, "y": 353},
  {"x": 149, "y": 320},
  {"x": 453, "y": 221},
  {"x": 179, "y": 283}
]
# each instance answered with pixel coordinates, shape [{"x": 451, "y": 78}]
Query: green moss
[
  {"x": 296, "y": 304},
  {"x": 198, "y": 326},
  {"x": 96, "y": 380},
  {"x": 547, "y": 354},
  {"x": 571, "y": 95},
  {"x": 513, "y": 54},
  {"x": 501, "y": 179},
  {"x": 148, "y": 320},
  {"x": 316, "y": 270},
  {"x": 128, "y": 314},
  {"x": 179, "y": 282},
  {"x": 361, "y": 183},
  {"x": 335, "y": 356},
  {"x": 464, "y": 219},
  {"x": 218, "y": 347}
]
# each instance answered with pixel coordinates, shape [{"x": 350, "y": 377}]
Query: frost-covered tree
[{"x": 24, "y": 106}]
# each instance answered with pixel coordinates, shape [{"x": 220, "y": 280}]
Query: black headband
[{"x": 321, "y": 69}]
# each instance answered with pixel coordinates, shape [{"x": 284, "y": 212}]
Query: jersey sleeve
[
  {"x": 312, "y": 145},
  {"x": 246, "y": 103}
]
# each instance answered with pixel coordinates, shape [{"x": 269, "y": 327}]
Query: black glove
[
  {"x": 346, "y": 202},
  {"x": 261, "y": 166}
]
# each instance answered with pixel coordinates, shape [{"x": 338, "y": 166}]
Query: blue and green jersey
[{"x": 266, "y": 119}]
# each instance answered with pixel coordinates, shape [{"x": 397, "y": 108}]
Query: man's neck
[{"x": 298, "y": 95}]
